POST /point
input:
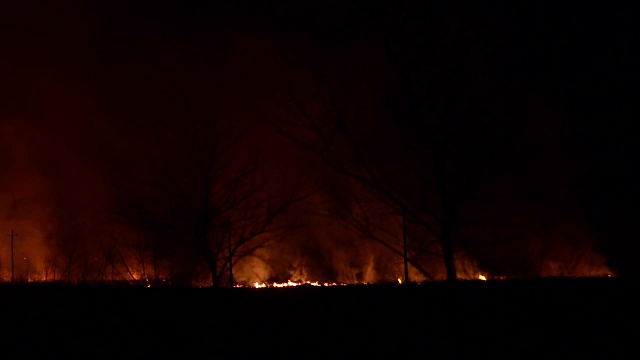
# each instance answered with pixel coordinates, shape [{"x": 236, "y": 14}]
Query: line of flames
[{"x": 289, "y": 283}]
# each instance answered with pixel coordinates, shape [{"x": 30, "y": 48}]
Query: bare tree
[
  {"x": 429, "y": 166},
  {"x": 210, "y": 197},
  {"x": 375, "y": 220}
]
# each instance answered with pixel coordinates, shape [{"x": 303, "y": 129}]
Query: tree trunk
[
  {"x": 447, "y": 248},
  {"x": 215, "y": 279},
  {"x": 449, "y": 261}
]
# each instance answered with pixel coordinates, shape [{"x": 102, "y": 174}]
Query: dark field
[{"x": 558, "y": 318}]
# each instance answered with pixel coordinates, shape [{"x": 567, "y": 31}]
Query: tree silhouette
[
  {"x": 203, "y": 194},
  {"x": 426, "y": 151}
]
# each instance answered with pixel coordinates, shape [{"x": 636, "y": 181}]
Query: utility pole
[
  {"x": 12, "y": 235},
  {"x": 404, "y": 243},
  {"x": 230, "y": 253},
  {"x": 335, "y": 249}
]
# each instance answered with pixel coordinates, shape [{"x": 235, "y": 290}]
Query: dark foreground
[{"x": 568, "y": 319}]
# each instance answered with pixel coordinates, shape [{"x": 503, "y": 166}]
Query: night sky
[{"x": 511, "y": 131}]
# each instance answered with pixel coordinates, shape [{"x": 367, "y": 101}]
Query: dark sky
[{"x": 85, "y": 85}]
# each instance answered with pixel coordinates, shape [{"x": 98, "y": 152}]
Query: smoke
[
  {"x": 84, "y": 90},
  {"x": 25, "y": 204}
]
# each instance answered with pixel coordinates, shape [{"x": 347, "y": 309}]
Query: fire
[
  {"x": 482, "y": 277},
  {"x": 399, "y": 281},
  {"x": 290, "y": 283}
]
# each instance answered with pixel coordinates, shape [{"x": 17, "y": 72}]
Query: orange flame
[{"x": 289, "y": 283}]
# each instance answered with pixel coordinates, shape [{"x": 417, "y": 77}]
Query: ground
[{"x": 565, "y": 318}]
